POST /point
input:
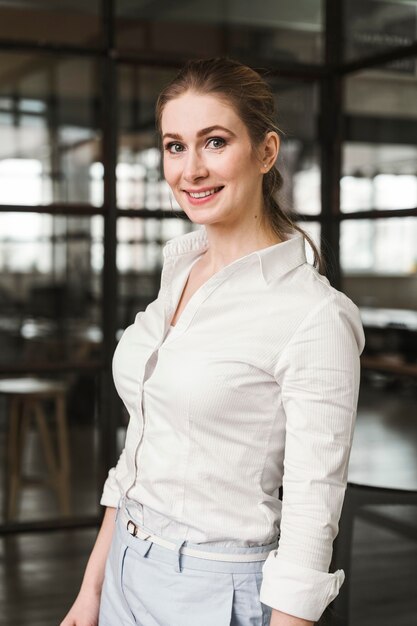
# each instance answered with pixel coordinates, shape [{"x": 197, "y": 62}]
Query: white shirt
[{"x": 255, "y": 387}]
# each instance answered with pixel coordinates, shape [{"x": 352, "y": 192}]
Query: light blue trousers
[{"x": 149, "y": 585}]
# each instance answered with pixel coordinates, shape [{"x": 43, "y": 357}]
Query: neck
[{"x": 227, "y": 245}]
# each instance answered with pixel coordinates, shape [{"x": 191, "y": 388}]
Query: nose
[{"x": 194, "y": 166}]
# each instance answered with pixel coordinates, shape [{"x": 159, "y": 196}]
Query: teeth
[{"x": 203, "y": 194}]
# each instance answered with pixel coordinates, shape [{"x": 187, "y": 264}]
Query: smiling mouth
[{"x": 204, "y": 194}]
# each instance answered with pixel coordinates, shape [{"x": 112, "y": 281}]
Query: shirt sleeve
[
  {"x": 319, "y": 376},
  {"x": 119, "y": 475},
  {"x": 111, "y": 491}
]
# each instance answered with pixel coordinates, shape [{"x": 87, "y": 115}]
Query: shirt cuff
[{"x": 299, "y": 591}]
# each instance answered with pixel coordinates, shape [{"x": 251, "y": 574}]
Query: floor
[{"x": 40, "y": 573}]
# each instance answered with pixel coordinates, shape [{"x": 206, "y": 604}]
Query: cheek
[
  {"x": 236, "y": 166},
  {"x": 235, "y": 173},
  {"x": 171, "y": 171}
]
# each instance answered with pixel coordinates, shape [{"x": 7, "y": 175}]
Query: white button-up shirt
[{"x": 256, "y": 387}]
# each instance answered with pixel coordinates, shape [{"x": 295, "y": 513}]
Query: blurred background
[{"x": 84, "y": 214}]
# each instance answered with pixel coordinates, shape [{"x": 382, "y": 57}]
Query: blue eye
[
  {"x": 218, "y": 139},
  {"x": 173, "y": 144}
]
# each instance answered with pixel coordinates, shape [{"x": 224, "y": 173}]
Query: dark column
[
  {"x": 108, "y": 398},
  {"x": 330, "y": 134}
]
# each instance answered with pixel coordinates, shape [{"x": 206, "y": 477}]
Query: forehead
[{"x": 192, "y": 111}]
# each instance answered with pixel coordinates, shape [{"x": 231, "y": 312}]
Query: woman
[{"x": 240, "y": 378}]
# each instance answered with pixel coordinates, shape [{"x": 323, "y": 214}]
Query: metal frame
[{"x": 329, "y": 76}]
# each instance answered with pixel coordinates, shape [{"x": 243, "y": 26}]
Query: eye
[
  {"x": 172, "y": 147},
  {"x": 219, "y": 142}
]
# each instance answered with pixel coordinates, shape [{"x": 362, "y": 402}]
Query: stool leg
[
  {"x": 63, "y": 454},
  {"x": 46, "y": 442},
  {"x": 13, "y": 459},
  {"x": 19, "y": 424}
]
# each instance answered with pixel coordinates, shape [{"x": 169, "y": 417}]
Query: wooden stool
[{"x": 26, "y": 400}]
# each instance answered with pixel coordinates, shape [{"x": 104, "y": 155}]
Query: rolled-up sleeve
[{"x": 319, "y": 376}]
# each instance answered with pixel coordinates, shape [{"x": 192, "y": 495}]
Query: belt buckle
[{"x": 132, "y": 528}]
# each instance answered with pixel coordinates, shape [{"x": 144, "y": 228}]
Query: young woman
[{"x": 242, "y": 377}]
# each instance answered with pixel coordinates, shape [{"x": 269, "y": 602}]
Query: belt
[{"x": 136, "y": 531}]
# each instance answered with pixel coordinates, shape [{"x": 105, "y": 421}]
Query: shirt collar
[{"x": 274, "y": 261}]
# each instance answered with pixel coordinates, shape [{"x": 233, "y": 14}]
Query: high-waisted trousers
[{"x": 147, "y": 584}]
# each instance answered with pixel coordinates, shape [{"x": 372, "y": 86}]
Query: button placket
[
  {"x": 170, "y": 298},
  {"x": 147, "y": 372}
]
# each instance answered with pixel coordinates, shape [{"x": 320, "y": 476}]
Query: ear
[{"x": 269, "y": 151}]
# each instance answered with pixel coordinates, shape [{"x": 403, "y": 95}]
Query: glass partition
[
  {"x": 380, "y": 155},
  {"x": 49, "y": 130},
  {"x": 63, "y": 22},
  {"x": 378, "y": 176},
  {"x": 379, "y": 262},
  {"x": 239, "y": 28},
  {"x": 381, "y": 247},
  {"x": 377, "y": 26},
  {"x": 379, "y": 255},
  {"x": 50, "y": 290},
  {"x": 50, "y": 361}
]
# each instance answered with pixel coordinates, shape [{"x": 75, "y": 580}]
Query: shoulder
[
  {"x": 310, "y": 289},
  {"x": 318, "y": 306}
]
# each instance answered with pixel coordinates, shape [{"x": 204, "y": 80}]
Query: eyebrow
[{"x": 202, "y": 132}]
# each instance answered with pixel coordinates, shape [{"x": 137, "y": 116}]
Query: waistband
[{"x": 235, "y": 554}]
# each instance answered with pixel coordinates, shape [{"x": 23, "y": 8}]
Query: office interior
[{"x": 85, "y": 213}]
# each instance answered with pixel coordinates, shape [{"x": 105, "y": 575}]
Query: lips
[
  {"x": 197, "y": 197},
  {"x": 203, "y": 193}
]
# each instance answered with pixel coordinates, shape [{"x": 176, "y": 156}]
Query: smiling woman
[
  {"x": 241, "y": 143},
  {"x": 214, "y": 166},
  {"x": 260, "y": 373}
]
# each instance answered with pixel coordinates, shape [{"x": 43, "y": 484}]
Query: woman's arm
[
  {"x": 283, "y": 619},
  {"x": 319, "y": 375},
  {"x": 85, "y": 610}
]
